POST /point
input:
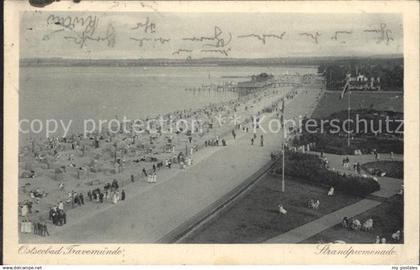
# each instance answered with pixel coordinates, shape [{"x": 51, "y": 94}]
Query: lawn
[
  {"x": 388, "y": 217},
  {"x": 255, "y": 218},
  {"x": 380, "y": 101},
  {"x": 394, "y": 169}
]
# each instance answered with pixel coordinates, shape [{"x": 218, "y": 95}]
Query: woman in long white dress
[
  {"x": 29, "y": 226},
  {"x": 22, "y": 226},
  {"x": 61, "y": 205},
  {"x": 26, "y": 226},
  {"x": 24, "y": 210},
  {"x": 115, "y": 198}
]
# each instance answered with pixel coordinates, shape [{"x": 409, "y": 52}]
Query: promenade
[{"x": 153, "y": 210}]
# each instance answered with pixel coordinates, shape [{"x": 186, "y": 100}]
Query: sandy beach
[{"x": 151, "y": 210}]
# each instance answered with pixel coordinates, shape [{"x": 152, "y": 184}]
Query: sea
[{"x": 101, "y": 93}]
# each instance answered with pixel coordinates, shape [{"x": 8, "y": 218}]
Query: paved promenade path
[
  {"x": 151, "y": 211},
  {"x": 389, "y": 187}
]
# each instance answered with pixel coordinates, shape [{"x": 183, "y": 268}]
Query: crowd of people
[
  {"x": 215, "y": 142},
  {"x": 109, "y": 193},
  {"x": 58, "y": 216}
]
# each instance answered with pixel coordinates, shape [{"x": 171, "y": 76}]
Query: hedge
[{"x": 310, "y": 168}]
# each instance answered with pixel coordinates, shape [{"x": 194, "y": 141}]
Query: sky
[{"x": 199, "y": 35}]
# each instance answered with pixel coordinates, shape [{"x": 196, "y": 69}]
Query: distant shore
[{"x": 283, "y": 61}]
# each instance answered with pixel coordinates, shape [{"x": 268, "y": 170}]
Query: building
[
  {"x": 257, "y": 82},
  {"x": 362, "y": 82}
]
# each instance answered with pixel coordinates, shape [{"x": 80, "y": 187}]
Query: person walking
[
  {"x": 24, "y": 210},
  {"x": 45, "y": 229},
  {"x": 262, "y": 140},
  {"x": 358, "y": 168},
  {"x": 252, "y": 141},
  {"x": 77, "y": 200},
  {"x": 51, "y": 213},
  {"x": 81, "y": 198},
  {"x": 115, "y": 198},
  {"x": 96, "y": 195},
  {"x": 72, "y": 199},
  {"x": 36, "y": 229},
  {"x": 63, "y": 216},
  {"x": 122, "y": 195}
]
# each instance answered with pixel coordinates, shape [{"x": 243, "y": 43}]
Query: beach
[{"x": 201, "y": 171}]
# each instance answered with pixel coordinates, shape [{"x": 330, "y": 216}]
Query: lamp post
[
  {"x": 283, "y": 185},
  {"x": 282, "y": 170},
  {"x": 348, "y": 118}
]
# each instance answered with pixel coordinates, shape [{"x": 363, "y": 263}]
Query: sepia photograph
[{"x": 160, "y": 126}]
